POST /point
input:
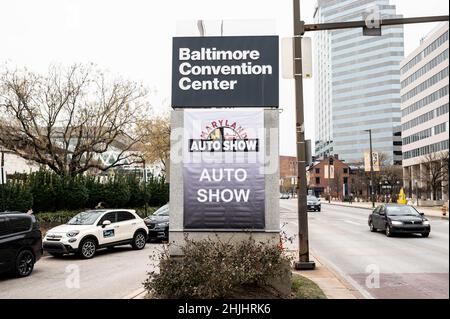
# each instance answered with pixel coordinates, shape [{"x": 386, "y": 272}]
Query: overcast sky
[{"x": 133, "y": 38}]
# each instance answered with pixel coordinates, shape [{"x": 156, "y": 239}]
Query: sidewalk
[
  {"x": 428, "y": 211},
  {"x": 331, "y": 284}
]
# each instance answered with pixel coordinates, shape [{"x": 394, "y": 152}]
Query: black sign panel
[{"x": 225, "y": 72}]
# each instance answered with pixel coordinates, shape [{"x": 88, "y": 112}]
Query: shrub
[
  {"x": 15, "y": 197},
  {"x": 47, "y": 191},
  {"x": 57, "y": 218},
  {"x": 216, "y": 269}
]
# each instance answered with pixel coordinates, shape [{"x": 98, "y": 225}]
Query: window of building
[
  {"x": 317, "y": 180},
  {"x": 345, "y": 170},
  {"x": 317, "y": 170}
]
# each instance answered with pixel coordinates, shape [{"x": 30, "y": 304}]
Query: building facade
[
  {"x": 288, "y": 174},
  {"x": 357, "y": 81},
  {"x": 330, "y": 178},
  {"x": 425, "y": 107}
]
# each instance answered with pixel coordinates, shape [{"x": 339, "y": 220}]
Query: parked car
[
  {"x": 314, "y": 203},
  {"x": 285, "y": 196},
  {"x": 20, "y": 243},
  {"x": 89, "y": 231},
  {"x": 158, "y": 224},
  {"x": 396, "y": 219}
]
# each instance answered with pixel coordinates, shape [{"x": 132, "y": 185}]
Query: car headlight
[
  {"x": 426, "y": 223},
  {"x": 396, "y": 223},
  {"x": 73, "y": 233},
  {"x": 162, "y": 225}
]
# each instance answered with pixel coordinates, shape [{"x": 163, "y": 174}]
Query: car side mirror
[
  {"x": 106, "y": 223},
  {"x": 422, "y": 214}
]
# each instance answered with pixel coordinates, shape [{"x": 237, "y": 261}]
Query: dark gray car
[
  {"x": 396, "y": 219},
  {"x": 158, "y": 224}
]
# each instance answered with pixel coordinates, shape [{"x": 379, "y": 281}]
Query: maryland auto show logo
[{"x": 223, "y": 136}]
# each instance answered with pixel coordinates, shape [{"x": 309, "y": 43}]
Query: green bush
[
  {"x": 46, "y": 192},
  {"x": 57, "y": 218},
  {"x": 15, "y": 197},
  {"x": 214, "y": 269}
]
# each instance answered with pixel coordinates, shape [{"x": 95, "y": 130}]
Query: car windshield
[
  {"x": 312, "y": 198},
  {"x": 401, "y": 211},
  {"x": 163, "y": 211},
  {"x": 85, "y": 218}
]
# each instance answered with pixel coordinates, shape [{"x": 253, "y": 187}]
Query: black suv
[{"x": 20, "y": 243}]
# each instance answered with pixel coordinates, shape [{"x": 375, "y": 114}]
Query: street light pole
[
  {"x": 299, "y": 30},
  {"x": 330, "y": 162},
  {"x": 371, "y": 170},
  {"x": 303, "y": 242}
]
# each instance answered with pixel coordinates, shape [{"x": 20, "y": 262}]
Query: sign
[
  {"x": 376, "y": 161},
  {"x": 288, "y": 58},
  {"x": 223, "y": 172},
  {"x": 328, "y": 168},
  {"x": 237, "y": 71}
]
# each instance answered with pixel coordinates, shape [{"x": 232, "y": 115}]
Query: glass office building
[{"x": 357, "y": 82}]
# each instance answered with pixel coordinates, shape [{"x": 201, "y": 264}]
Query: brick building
[
  {"x": 339, "y": 184},
  {"x": 288, "y": 174}
]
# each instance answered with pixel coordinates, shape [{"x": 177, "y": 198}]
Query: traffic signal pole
[
  {"x": 300, "y": 28},
  {"x": 303, "y": 241}
]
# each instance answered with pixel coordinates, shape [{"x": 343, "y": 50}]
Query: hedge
[{"x": 45, "y": 191}]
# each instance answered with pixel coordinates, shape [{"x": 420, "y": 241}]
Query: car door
[
  {"x": 107, "y": 234},
  {"x": 376, "y": 217},
  {"x": 381, "y": 219},
  {"x": 6, "y": 247},
  {"x": 126, "y": 223}
]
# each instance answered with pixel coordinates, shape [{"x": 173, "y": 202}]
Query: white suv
[{"x": 91, "y": 230}]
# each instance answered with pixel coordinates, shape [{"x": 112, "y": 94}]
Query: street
[
  {"x": 409, "y": 266},
  {"x": 109, "y": 275}
]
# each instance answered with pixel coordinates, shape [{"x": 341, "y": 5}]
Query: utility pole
[
  {"x": 371, "y": 169},
  {"x": 303, "y": 241},
  {"x": 3, "y": 179},
  {"x": 299, "y": 30},
  {"x": 330, "y": 162},
  {"x": 145, "y": 187}
]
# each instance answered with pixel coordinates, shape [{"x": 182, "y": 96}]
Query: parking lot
[{"x": 109, "y": 275}]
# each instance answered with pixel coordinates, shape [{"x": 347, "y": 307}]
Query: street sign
[
  {"x": 235, "y": 71},
  {"x": 287, "y": 61},
  {"x": 376, "y": 161},
  {"x": 223, "y": 170}
]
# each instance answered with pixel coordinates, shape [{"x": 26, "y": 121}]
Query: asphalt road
[
  {"x": 378, "y": 266},
  {"x": 109, "y": 275}
]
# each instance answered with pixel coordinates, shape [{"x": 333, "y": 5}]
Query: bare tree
[
  {"x": 155, "y": 145},
  {"x": 435, "y": 174},
  {"x": 335, "y": 183},
  {"x": 67, "y": 119}
]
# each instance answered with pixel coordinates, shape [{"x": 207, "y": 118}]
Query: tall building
[
  {"x": 357, "y": 82},
  {"x": 424, "y": 81}
]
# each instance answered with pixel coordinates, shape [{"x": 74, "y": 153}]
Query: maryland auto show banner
[{"x": 223, "y": 173}]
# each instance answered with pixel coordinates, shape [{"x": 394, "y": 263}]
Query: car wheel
[
  {"x": 388, "y": 231},
  {"x": 372, "y": 228},
  {"x": 139, "y": 240},
  {"x": 57, "y": 255},
  {"x": 425, "y": 235},
  {"x": 24, "y": 263},
  {"x": 87, "y": 248}
]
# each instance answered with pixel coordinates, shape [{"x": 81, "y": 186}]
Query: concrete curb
[{"x": 137, "y": 294}]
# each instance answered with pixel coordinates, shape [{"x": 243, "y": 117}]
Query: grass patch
[{"x": 303, "y": 288}]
